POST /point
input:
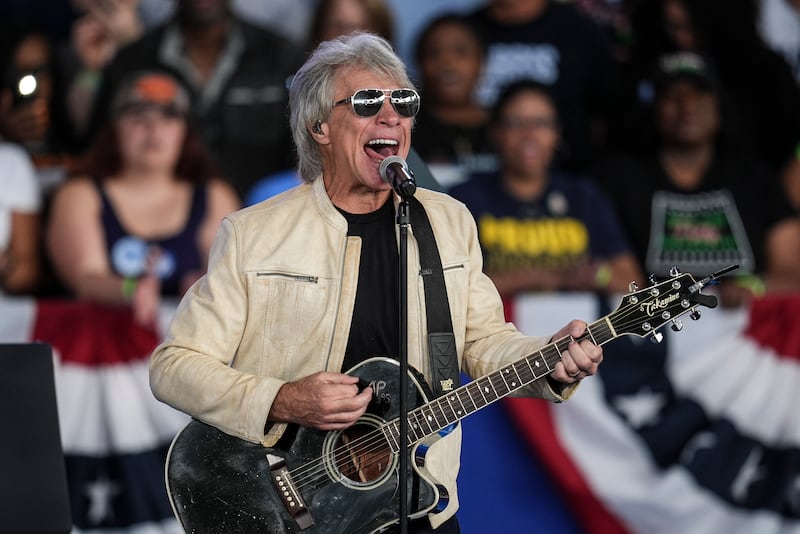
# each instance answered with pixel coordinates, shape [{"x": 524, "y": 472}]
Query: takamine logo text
[{"x": 652, "y": 307}]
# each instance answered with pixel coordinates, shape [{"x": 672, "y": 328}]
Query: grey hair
[{"x": 311, "y": 91}]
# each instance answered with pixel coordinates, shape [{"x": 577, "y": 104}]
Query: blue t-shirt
[{"x": 572, "y": 221}]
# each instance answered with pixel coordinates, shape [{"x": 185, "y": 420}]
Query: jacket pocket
[{"x": 296, "y": 320}]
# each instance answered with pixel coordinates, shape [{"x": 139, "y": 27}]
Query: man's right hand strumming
[{"x": 325, "y": 401}]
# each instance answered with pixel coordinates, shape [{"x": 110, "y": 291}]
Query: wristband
[
  {"x": 753, "y": 283},
  {"x": 129, "y": 284},
  {"x": 602, "y": 276}
]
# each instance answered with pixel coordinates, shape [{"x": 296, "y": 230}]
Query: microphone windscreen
[{"x": 385, "y": 171}]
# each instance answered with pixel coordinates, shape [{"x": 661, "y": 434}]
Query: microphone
[{"x": 395, "y": 172}]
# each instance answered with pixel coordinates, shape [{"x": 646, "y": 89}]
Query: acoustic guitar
[{"x": 348, "y": 481}]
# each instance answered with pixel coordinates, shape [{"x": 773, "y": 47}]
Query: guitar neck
[{"x": 471, "y": 397}]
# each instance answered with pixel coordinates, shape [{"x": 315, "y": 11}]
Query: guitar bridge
[{"x": 291, "y": 498}]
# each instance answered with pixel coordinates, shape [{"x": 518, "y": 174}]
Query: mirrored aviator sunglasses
[{"x": 368, "y": 102}]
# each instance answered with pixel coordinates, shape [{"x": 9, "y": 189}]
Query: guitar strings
[{"x": 376, "y": 443}]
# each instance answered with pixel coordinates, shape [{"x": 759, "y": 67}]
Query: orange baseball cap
[{"x": 148, "y": 89}]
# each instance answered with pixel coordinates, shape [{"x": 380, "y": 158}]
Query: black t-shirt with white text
[{"x": 724, "y": 220}]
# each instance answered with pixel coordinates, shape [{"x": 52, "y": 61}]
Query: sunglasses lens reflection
[{"x": 368, "y": 102}]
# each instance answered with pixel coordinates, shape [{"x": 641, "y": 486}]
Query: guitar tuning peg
[
  {"x": 657, "y": 337},
  {"x": 633, "y": 286},
  {"x": 674, "y": 271},
  {"x": 677, "y": 325},
  {"x": 694, "y": 314},
  {"x": 653, "y": 279}
]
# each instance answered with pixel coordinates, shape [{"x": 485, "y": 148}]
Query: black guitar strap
[{"x": 441, "y": 341}]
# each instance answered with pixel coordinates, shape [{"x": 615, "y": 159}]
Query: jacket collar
[{"x": 324, "y": 206}]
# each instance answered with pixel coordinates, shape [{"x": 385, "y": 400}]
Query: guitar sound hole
[{"x": 361, "y": 454}]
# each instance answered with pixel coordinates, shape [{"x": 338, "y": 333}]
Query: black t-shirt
[
  {"x": 723, "y": 221},
  {"x": 374, "y": 330},
  {"x": 439, "y": 142}
]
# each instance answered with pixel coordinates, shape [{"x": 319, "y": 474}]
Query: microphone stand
[
  {"x": 394, "y": 171},
  {"x": 403, "y": 221},
  {"x": 405, "y": 188}
]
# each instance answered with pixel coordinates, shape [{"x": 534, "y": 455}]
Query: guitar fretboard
[{"x": 471, "y": 397}]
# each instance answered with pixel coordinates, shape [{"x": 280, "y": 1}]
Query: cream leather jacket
[{"x": 276, "y": 305}]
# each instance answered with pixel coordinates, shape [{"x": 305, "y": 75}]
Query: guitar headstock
[{"x": 643, "y": 312}]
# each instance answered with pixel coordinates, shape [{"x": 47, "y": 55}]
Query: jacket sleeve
[
  {"x": 191, "y": 369},
  {"x": 490, "y": 342}
]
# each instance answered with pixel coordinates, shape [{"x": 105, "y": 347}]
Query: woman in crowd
[
  {"x": 139, "y": 223},
  {"x": 26, "y": 96},
  {"x": 542, "y": 229}
]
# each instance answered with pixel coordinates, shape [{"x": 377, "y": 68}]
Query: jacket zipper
[{"x": 298, "y": 277}]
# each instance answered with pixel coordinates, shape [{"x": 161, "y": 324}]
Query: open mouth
[{"x": 381, "y": 148}]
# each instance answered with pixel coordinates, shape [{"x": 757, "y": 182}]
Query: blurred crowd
[{"x": 595, "y": 141}]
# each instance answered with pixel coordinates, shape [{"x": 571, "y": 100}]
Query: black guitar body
[{"x": 347, "y": 481}]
